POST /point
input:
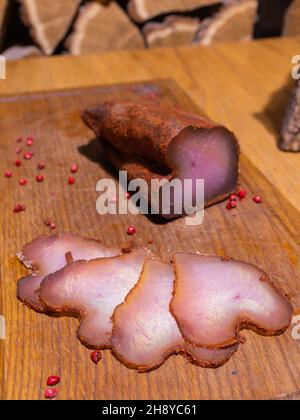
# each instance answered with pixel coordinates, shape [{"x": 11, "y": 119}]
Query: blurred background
[{"x": 47, "y": 27}]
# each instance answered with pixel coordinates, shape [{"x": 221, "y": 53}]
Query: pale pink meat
[
  {"x": 145, "y": 333},
  {"x": 91, "y": 290},
  {"x": 214, "y": 298},
  {"x": 47, "y": 254},
  {"x": 208, "y": 155}
]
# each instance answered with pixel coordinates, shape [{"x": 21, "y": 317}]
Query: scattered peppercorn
[
  {"x": 71, "y": 180},
  {"x": 242, "y": 194},
  {"x": 131, "y": 230},
  {"x": 74, "y": 168},
  {"x": 257, "y": 199},
  {"x": 18, "y": 208},
  {"x": 96, "y": 356},
  {"x": 28, "y": 155},
  {"x": 39, "y": 178},
  {"x": 51, "y": 393},
  {"x": 29, "y": 141},
  {"x": 23, "y": 181},
  {"x": 53, "y": 380}
]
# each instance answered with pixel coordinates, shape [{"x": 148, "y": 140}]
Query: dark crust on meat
[
  {"x": 206, "y": 364},
  {"x": 242, "y": 323},
  {"x": 136, "y": 133}
]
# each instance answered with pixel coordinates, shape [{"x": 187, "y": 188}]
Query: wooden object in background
[
  {"x": 142, "y": 10},
  {"x": 290, "y": 135},
  {"x": 173, "y": 31},
  {"x": 3, "y": 7},
  {"x": 18, "y": 52},
  {"x": 3, "y": 10},
  {"x": 49, "y": 20},
  {"x": 234, "y": 22},
  {"x": 37, "y": 346},
  {"x": 291, "y": 24},
  {"x": 103, "y": 28}
]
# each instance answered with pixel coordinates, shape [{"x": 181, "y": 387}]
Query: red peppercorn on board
[{"x": 37, "y": 346}]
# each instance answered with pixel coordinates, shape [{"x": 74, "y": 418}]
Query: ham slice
[
  {"x": 145, "y": 333},
  {"x": 91, "y": 290},
  {"x": 48, "y": 254},
  {"x": 156, "y": 142},
  {"x": 215, "y": 298}
]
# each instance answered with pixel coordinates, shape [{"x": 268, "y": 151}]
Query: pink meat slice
[
  {"x": 145, "y": 333},
  {"x": 91, "y": 290},
  {"x": 214, "y": 298},
  {"x": 47, "y": 254}
]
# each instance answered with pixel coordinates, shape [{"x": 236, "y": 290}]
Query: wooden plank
[
  {"x": 291, "y": 25},
  {"x": 173, "y": 31},
  {"x": 266, "y": 235},
  {"x": 234, "y": 22},
  {"x": 101, "y": 28},
  {"x": 49, "y": 20},
  {"x": 142, "y": 10}
]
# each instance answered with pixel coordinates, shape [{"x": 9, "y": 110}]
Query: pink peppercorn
[
  {"x": 131, "y": 230},
  {"x": 39, "y": 178},
  {"x": 51, "y": 393},
  {"x": 96, "y": 356},
  {"x": 23, "y": 181},
  {"x": 71, "y": 180},
  {"x": 257, "y": 199},
  {"x": 53, "y": 380}
]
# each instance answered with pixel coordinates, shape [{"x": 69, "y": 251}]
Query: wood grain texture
[
  {"x": 38, "y": 346},
  {"x": 245, "y": 86},
  {"x": 142, "y": 10},
  {"x": 101, "y": 28},
  {"x": 49, "y": 21}
]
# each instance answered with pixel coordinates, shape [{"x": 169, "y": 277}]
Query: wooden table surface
[{"x": 243, "y": 85}]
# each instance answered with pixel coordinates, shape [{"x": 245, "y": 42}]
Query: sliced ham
[
  {"x": 154, "y": 142},
  {"x": 48, "y": 254},
  {"x": 145, "y": 333},
  {"x": 215, "y": 298},
  {"x": 91, "y": 290}
]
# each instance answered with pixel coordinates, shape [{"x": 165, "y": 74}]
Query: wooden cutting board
[{"x": 37, "y": 346}]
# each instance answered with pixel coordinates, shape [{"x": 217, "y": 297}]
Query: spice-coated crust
[
  {"x": 144, "y": 131},
  {"x": 242, "y": 323}
]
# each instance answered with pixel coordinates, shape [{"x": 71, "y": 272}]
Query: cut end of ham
[
  {"x": 47, "y": 254},
  {"x": 145, "y": 333},
  {"x": 208, "y": 154},
  {"x": 225, "y": 296},
  {"x": 91, "y": 290},
  {"x": 165, "y": 143}
]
